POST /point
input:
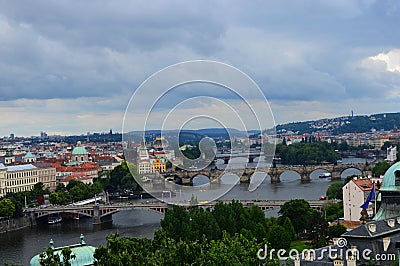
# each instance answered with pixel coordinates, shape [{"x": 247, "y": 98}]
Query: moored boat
[{"x": 325, "y": 175}]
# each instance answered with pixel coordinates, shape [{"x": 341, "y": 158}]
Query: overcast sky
[{"x": 72, "y": 66}]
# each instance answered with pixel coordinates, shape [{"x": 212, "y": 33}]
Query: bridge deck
[{"x": 106, "y": 208}]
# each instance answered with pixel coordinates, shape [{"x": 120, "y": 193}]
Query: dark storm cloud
[{"x": 297, "y": 51}]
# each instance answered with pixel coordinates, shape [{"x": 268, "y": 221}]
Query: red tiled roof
[{"x": 365, "y": 184}]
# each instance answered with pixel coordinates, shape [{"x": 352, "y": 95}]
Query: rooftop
[
  {"x": 364, "y": 184},
  {"x": 83, "y": 254},
  {"x": 22, "y": 167}
]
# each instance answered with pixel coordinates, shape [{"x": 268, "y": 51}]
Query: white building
[
  {"x": 391, "y": 153},
  {"x": 355, "y": 193},
  {"x": 144, "y": 167},
  {"x": 17, "y": 178}
]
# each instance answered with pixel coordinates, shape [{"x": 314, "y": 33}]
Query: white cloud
[{"x": 391, "y": 59}]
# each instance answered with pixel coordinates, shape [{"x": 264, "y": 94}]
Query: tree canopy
[
  {"x": 335, "y": 191},
  {"x": 306, "y": 153}
]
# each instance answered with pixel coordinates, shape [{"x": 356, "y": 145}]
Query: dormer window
[{"x": 397, "y": 178}]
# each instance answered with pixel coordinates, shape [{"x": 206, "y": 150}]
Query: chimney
[
  {"x": 297, "y": 261},
  {"x": 372, "y": 228},
  {"x": 351, "y": 256},
  {"x": 390, "y": 222},
  {"x": 338, "y": 263}
]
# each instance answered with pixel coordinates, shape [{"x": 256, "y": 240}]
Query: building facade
[
  {"x": 17, "y": 178},
  {"x": 391, "y": 154},
  {"x": 158, "y": 165},
  {"x": 355, "y": 193},
  {"x": 47, "y": 175}
]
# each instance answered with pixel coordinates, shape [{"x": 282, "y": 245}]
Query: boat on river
[
  {"x": 325, "y": 175},
  {"x": 54, "y": 219}
]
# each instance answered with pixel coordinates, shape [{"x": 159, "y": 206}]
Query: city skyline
[{"x": 67, "y": 69}]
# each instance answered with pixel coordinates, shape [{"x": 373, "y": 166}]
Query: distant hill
[{"x": 345, "y": 124}]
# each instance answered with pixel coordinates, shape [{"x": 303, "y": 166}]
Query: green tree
[
  {"x": 288, "y": 226},
  {"x": 279, "y": 238},
  {"x": 7, "y": 208},
  {"x": 124, "y": 251},
  {"x": 176, "y": 223},
  {"x": 299, "y": 212},
  {"x": 333, "y": 211},
  {"x": 386, "y": 145},
  {"x": 230, "y": 217},
  {"x": 61, "y": 187},
  {"x": 203, "y": 224},
  {"x": 317, "y": 230},
  {"x": 380, "y": 168},
  {"x": 52, "y": 258},
  {"x": 334, "y": 190},
  {"x": 336, "y": 231}
]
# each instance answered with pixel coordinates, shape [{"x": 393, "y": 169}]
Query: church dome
[
  {"x": 391, "y": 179},
  {"x": 79, "y": 149}
]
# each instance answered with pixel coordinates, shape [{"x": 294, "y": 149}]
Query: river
[{"x": 18, "y": 247}]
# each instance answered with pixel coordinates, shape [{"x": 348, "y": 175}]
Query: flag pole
[{"x": 374, "y": 199}]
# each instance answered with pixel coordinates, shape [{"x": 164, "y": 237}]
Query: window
[{"x": 397, "y": 178}]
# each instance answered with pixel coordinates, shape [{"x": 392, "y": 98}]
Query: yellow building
[
  {"x": 47, "y": 175},
  {"x": 158, "y": 165}
]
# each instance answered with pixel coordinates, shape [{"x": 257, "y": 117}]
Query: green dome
[
  {"x": 29, "y": 155},
  {"x": 389, "y": 179},
  {"x": 79, "y": 150},
  {"x": 83, "y": 253}
]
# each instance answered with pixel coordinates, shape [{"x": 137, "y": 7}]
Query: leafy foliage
[
  {"x": 335, "y": 191},
  {"x": 121, "y": 178},
  {"x": 306, "y": 153},
  {"x": 336, "y": 231},
  {"x": 51, "y": 258},
  {"x": 380, "y": 168},
  {"x": 7, "y": 208},
  {"x": 229, "y": 250},
  {"x": 299, "y": 212},
  {"x": 333, "y": 211}
]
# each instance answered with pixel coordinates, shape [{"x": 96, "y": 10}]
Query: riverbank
[{"x": 7, "y": 225}]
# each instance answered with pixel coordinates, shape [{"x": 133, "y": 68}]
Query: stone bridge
[
  {"x": 186, "y": 177},
  {"x": 103, "y": 212},
  {"x": 250, "y": 156}
]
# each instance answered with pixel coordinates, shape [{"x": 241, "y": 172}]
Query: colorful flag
[{"x": 370, "y": 197}]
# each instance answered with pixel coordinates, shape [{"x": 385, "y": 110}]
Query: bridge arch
[
  {"x": 44, "y": 214},
  {"x": 229, "y": 179},
  {"x": 319, "y": 170},
  {"x": 289, "y": 171},
  {"x": 200, "y": 179},
  {"x": 256, "y": 176},
  {"x": 351, "y": 167}
]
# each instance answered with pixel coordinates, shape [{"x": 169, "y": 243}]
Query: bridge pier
[
  {"x": 336, "y": 175},
  {"x": 32, "y": 218},
  {"x": 305, "y": 178},
  {"x": 97, "y": 219},
  {"x": 274, "y": 174}
]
